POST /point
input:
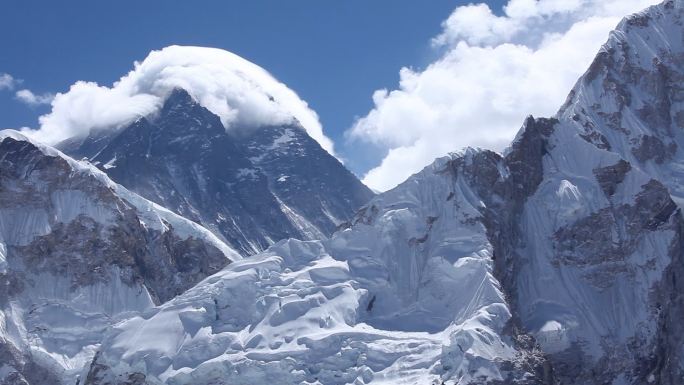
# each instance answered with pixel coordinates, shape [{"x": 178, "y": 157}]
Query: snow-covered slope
[
  {"x": 405, "y": 295},
  {"x": 250, "y": 186},
  {"x": 77, "y": 253},
  {"x": 560, "y": 261},
  {"x": 631, "y": 100}
]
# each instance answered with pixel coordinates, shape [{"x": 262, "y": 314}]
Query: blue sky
[{"x": 334, "y": 54}]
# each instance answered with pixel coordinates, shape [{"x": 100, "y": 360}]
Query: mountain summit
[{"x": 252, "y": 186}]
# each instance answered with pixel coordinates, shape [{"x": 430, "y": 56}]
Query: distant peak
[
  {"x": 239, "y": 92},
  {"x": 178, "y": 97}
]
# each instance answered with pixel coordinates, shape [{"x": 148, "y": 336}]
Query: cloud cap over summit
[{"x": 241, "y": 93}]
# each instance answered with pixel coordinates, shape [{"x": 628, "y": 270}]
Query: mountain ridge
[
  {"x": 251, "y": 187},
  {"x": 78, "y": 253}
]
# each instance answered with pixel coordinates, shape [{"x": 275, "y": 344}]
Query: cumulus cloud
[
  {"x": 28, "y": 97},
  {"x": 7, "y": 82},
  {"x": 494, "y": 71},
  {"x": 241, "y": 93}
]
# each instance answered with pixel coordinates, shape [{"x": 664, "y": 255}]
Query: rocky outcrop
[{"x": 610, "y": 177}]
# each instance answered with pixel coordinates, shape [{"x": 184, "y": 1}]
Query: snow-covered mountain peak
[
  {"x": 242, "y": 94},
  {"x": 251, "y": 187},
  {"x": 404, "y": 294},
  {"x": 630, "y": 99},
  {"x": 559, "y": 261}
]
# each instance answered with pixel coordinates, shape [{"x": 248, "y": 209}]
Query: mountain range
[{"x": 176, "y": 251}]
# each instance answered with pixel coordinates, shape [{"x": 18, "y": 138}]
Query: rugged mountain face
[
  {"x": 405, "y": 295},
  {"x": 78, "y": 253},
  {"x": 557, "y": 262},
  {"x": 612, "y": 255},
  {"x": 251, "y": 189}
]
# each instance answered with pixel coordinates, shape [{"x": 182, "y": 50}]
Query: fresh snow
[{"x": 371, "y": 305}]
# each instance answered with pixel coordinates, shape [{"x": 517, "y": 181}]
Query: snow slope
[
  {"x": 77, "y": 253},
  {"x": 405, "y": 295}
]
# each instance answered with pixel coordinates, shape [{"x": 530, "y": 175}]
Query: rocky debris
[{"x": 99, "y": 374}]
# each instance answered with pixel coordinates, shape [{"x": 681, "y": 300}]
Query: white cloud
[
  {"x": 7, "y": 82},
  {"x": 241, "y": 93},
  {"x": 495, "y": 71},
  {"x": 28, "y": 97}
]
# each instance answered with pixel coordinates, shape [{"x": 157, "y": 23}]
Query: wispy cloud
[
  {"x": 7, "y": 82},
  {"x": 28, "y": 97},
  {"x": 495, "y": 70}
]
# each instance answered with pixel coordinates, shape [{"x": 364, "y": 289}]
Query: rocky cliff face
[
  {"x": 251, "y": 186},
  {"x": 77, "y": 253},
  {"x": 608, "y": 242},
  {"x": 558, "y": 262}
]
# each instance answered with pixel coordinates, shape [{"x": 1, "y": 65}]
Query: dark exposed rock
[
  {"x": 663, "y": 365},
  {"x": 247, "y": 185},
  {"x": 85, "y": 249},
  {"x": 99, "y": 374},
  {"x": 650, "y": 147},
  {"x": 22, "y": 369},
  {"x": 597, "y": 139},
  {"x": 610, "y": 177},
  {"x": 504, "y": 198},
  {"x": 599, "y": 239}
]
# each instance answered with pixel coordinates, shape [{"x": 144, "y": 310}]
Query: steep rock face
[
  {"x": 77, "y": 253},
  {"x": 593, "y": 250},
  {"x": 631, "y": 100},
  {"x": 598, "y": 283},
  {"x": 251, "y": 187},
  {"x": 305, "y": 179}
]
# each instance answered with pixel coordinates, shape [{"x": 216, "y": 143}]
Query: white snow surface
[
  {"x": 57, "y": 324},
  {"x": 370, "y": 305},
  {"x": 406, "y": 294}
]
